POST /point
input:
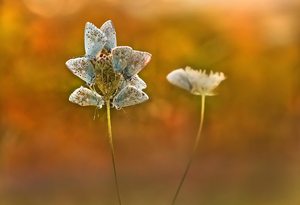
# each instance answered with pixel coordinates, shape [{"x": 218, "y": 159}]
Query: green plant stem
[
  {"x": 187, "y": 168},
  {"x": 112, "y": 149}
]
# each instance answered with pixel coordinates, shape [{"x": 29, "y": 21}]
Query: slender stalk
[
  {"x": 112, "y": 149},
  {"x": 187, "y": 168}
]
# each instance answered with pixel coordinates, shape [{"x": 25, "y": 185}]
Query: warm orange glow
[
  {"x": 52, "y": 8},
  {"x": 53, "y": 152}
]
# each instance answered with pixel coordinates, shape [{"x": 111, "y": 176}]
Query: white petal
[
  {"x": 108, "y": 29},
  {"x": 179, "y": 78},
  {"x": 86, "y": 97},
  {"x": 82, "y": 68},
  {"x": 129, "y": 96},
  {"x": 203, "y": 83},
  {"x": 94, "y": 40}
]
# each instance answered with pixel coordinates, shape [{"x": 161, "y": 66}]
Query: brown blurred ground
[{"x": 53, "y": 152}]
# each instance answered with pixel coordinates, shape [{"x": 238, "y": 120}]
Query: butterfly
[
  {"x": 197, "y": 82},
  {"x": 180, "y": 78},
  {"x": 128, "y": 61},
  {"x": 83, "y": 68},
  {"x": 95, "y": 40},
  {"x": 129, "y": 96},
  {"x": 135, "y": 81},
  {"x": 86, "y": 97}
]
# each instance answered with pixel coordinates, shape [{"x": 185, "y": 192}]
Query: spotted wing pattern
[
  {"x": 129, "y": 96},
  {"x": 109, "y": 30},
  {"x": 94, "y": 40},
  {"x": 86, "y": 97},
  {"x": 137, "y": 62},
  {"x": 134, "y": 81},
  {"x": 120, "y": 57},
  {"x": 83, "y": 68}
]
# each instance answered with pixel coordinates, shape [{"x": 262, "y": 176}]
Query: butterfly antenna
[
  {"x": 124, "y": 110},
  {"x": 95, "y": 113},
  {"x": 91, "y": 86},
  {"x": 98, "y": 112}
]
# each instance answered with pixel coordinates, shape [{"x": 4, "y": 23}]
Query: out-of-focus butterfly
[{"x": 180, "y": 78}]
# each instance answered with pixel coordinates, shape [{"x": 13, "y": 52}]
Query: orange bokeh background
[{"x": 53, "y": 152}]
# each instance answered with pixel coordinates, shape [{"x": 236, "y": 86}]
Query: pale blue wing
[
  {"x": 109, "y": 30},
  {"x": 83, "y": 68},
  {"x": 121, "y": 56},
  {"x": 179, "y": 78},
  {"x": 134, "y": 81},
  {"x": 86, "y": 97},
  {"x": 129, "y": 96},
  {"x": 137, "y": 62},
  {"x": 94, "y": 40}
]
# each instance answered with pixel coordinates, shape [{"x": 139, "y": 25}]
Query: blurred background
[{"x": 53, "y": 152}]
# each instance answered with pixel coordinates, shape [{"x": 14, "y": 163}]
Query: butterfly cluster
[{"x": 110, "y": 71}]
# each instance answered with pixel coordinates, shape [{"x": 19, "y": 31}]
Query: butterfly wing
[
  {"x": 179, "y": 78},
  {"x": 86, "y": 97},
  {"x": 137, "y": 62},
  {"x": 94, "y": 40},
  {"x": 83, "y": 68},
  {"x": 134, "y": 81},
  {"x": 109, "y": 30},
  {"x": 129, "y": 96},
  {"x": 120, "y": 57}
]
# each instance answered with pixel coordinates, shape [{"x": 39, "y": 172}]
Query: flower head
[
  {"x": 197, "y": 82},
  {"x": 110, "y": 71}
]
